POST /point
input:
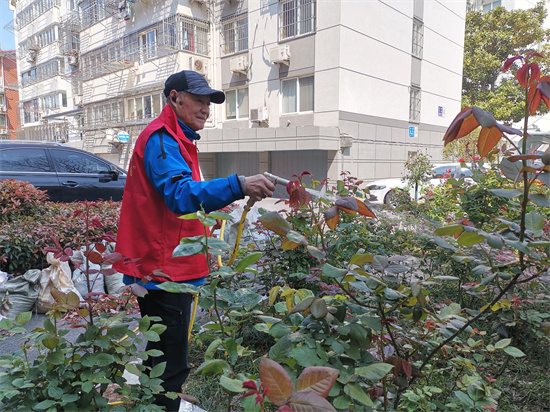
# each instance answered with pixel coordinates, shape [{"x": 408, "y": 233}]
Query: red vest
[{"x": 148, "y": 230}]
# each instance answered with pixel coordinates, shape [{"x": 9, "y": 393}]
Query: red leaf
[
  {"x": 276, "y": 378},
  {"x": 93, "y": 257},
  {"x": 100, "y": 247},
  {"x": 319, "y": 379},
  {"x": 250, "y": 385},
  {"x": 96, "y": 223},
  {"x": 348, "y": 204},
  {"x": 488, "y": 138},
  {"x": 275, "y": 222},
  {"x": 138, "y": 290},
  {"x": 331, "y": 217},
  {"x": 111, "y": 258},
  {"x": 508, "y": 62},
  {"x": 318, "y": 403},
  {"x": 407, "y": 368},
  {"x": 463, "y": 124},
  {"x": 364, "y": 210},
  {"x": 160, "y": 274}
]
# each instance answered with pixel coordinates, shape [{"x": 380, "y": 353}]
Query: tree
[
  {"x": 417, "y": 169},
  {"x": 489, "y": 40}
]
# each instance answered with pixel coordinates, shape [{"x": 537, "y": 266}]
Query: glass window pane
[
  {"x": 243, "y": 103},
  {"x": 156, "y": 105},
  {"x": 306, "y": 94},
  {"x": 147, "y": 105},
  {"x": 24, "y": 160},
  {"x": 139, "y": 108},
  {"x": 288, "y": 90},
  {"x": 131, "y": 114},
  {"x": 69, "y": 162},
  {"x": 230, "y": 104}
]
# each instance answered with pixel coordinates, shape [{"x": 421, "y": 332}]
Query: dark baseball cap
[{"x": 192, "y": 82}]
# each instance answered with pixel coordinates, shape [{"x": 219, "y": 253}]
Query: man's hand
[{"x": 258, "y": 187}]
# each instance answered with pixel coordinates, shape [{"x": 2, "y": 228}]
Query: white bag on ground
[
  {"x": 113, "y": 283},
  {"x": 58, "y": 276},
  {"x": 79, "y": 275},
  {"x": 21, "y": 292}
]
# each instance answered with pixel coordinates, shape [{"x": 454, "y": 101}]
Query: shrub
[
  {"x": 23, "y": 237},
  {"x": 19, "y": 199}
]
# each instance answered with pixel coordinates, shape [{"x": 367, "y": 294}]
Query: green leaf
[
  {"x": 232, "y": 386},
  {"x": 296, "y": 237},
  {"x": 464, "y": 398},
  {"x": 305, "y": 357},
  {"x": 470, "y": 239},
  {"x": 189, "y": 216},
  {"x": 507, "y": 193},
  {"x": 231, "y": 348},
  {"x": 175, "y": 287},
  {"x": 372, "y": 322},
  {"x": 55, "y": 392},
  {"x": 354, "y": 391},
  {"x": 374, "y": 372},
  {"x": 513, "y": 351},
  {"x": 212, "y": 348},
  {"x": 212, "y": 367},
  {"x": 188, "y": 249},
  {"x": 361, "y": 259},
  {"x": 342, "y": 402},
  {"x": 55, "y": 358},
  {"x": 540, "y": 199},
  {"x": 6, "y": 324},
  {"x": 280, "y": 351},
  {"x": 496, "y": 242},
  {"x": 333, "y": 272},
  {"x": 131, "y": 368},
  {"x": 42, "y": 406},
  {"x": 247, "y": 261},
  {"x": 534, "y": 222},
  {"x": 220, "y": 215},
  {"x": 379, "y": 263},
  {"x": 449, "y": 230},
  {"x": 157, "y": 370},
  {"x": 316, "y": 252},
  {"x": 501, "y": 344},
  {"x": 22, "y": 318},
  {"x": 279, "y": 330},
  {"x": 516, "y": 244},
  {"x": 50, "y": 342},
  {"x": 275, "y": 222}
]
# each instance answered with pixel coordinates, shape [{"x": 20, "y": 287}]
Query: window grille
[
  {"x": 296, "y": 17},
  {"x": 235, "y": 34},
  {"x": 414, "y": 108},
  {"x": 417, "y": 38}
]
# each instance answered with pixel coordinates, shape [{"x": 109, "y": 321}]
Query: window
[
  {"x": 69, "y": 162},
  {"x": 414, "y": 108},
  {"x": 297, "y": 95},
  {"x": 3, "y": 121},
  {"x": 491, "y": 6},
  {"x": 236, "y": 104},
  {"x": 143, "y": 107},
  {"x": 30, "y": 111},
  {"x": 24, "y": 160},
  {"x": 235, "y": 35},
  {"x": 417, "y": 38},
  {"x": 148, "y": 45},
  {"x": 296, "y": 17}
]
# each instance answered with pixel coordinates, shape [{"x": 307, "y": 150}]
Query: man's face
[{"x": 192, "y": 109}]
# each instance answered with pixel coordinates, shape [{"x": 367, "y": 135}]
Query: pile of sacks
[{"x": 21, "y": 294}]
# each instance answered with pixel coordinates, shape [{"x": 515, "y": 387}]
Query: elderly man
[{"x": 164, "y": 182}]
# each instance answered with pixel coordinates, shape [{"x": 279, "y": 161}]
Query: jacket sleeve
[{"x": 172, "y": 179}]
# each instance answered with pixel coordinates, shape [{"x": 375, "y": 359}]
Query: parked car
[
  {"x": 384, "y": 189},
  {"x": 68, "y": 174}
]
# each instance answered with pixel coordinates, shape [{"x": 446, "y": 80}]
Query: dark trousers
[{"x": 175, "y": 311}]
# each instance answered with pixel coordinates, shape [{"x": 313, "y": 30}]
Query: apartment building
[
  {"x": 9, "y": 95},
  {"x": 316, "y": 85}
]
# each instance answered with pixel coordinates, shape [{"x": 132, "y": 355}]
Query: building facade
[
  {"x": 322, "y": 86},
  {"x": 9, "y": 95}
]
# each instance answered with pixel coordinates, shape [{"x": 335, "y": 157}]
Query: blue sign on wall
[
  {"x": 440, "y": 111},
  {"x": 412, "y": 131},
  {"x": 123, "y": 137}
]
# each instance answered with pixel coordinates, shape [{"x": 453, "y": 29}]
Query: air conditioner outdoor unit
[
  {"x": 31, "y": 56},
  {"x": 200, "y": 66},
  {"x": 239, "y": 64},
  {"x": 2, "y": 108},
  {"x": 259, "y": 115},
  {"x": 3, "y": 131},
  {"x": 72, "y": 60},
  {"x": 280, "y": 54}
]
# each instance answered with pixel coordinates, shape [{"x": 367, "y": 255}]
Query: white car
[{"x": 384, "y": 189}]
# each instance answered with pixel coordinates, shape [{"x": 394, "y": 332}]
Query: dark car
[{"x": 68, "y": 174}]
